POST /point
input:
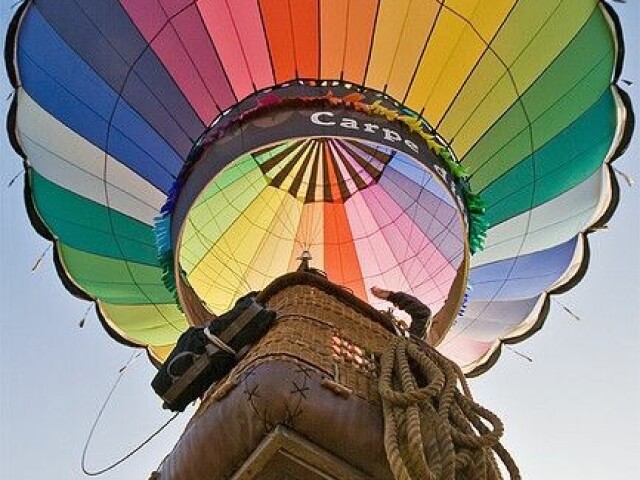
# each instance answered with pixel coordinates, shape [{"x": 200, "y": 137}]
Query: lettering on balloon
[{"x": 328, "y": 119}]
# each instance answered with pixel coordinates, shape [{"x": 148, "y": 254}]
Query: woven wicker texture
[{"x": 320, "y": 329}]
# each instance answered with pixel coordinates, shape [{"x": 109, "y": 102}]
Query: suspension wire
[
  {"x": 520, "y": 354},
  {"x": 14, "y": 178},
  {"x": 95, "y": 473},
  {"x": 85, "y": 316},
  {"x": 628, "y": 178},
  {"x": 40, "y": 258},
  {"x": 567, "y": 309}
]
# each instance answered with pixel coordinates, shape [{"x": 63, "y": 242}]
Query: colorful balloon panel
[
  {"x": 113, "y": 95},
  {"x": 383, "y": 218}
]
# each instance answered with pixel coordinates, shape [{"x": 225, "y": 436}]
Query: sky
[{"x": 572, "y": 412}]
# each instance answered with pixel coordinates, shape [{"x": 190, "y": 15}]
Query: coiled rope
[{"x": 433, "y": 431}]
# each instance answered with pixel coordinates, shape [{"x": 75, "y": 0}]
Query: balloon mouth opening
[{"x": 365, "y": 188}]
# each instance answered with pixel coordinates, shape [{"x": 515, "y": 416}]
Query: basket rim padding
[{"x": 341, "y": 293}]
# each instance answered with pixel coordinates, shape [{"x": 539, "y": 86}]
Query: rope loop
[{"x": 433, "y": 430}]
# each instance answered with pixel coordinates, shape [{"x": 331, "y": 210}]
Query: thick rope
[{"x": 433, "y": 431}]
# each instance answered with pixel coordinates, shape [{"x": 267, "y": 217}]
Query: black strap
[
  {"x": 202, "y": 361},
  {"x": 241, "y": 322},
  {"x": 182, "y": 382}
]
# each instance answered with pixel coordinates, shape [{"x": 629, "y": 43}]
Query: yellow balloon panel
[
  {"x": 418, "y": 25},
  {"x": 391, "y": 21},
  {"x": 455, "y": 47},
  {"x": 495, "y": 102},
  {"x": 265, "y": 231},
  {"x": 489, "y": 69},
  {"x": 278, "y": 245},
  {"x": 159, "y": 324},
  {"x": 486, "y": 17},
  {"x": 443, "y": 41}
]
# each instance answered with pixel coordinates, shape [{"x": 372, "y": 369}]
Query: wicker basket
[
  {"x": 306, "y": 393},
  {"x": 326, "y": 327},
  {"x": 304, "y": 402},
  {"x": 316, "y": 327}
]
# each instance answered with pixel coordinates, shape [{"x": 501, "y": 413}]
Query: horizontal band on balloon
[{"x": 273, "y": 128}]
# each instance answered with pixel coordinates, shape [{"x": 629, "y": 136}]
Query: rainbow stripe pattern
[{"x": 111, "y": 97}]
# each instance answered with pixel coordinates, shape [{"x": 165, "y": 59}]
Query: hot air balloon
[{"x": 181, "y": 154}]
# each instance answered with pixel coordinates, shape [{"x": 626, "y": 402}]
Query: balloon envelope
[{"x": 114, "y": 102}]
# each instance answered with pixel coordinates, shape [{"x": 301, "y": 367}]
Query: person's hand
[{"x": 380, "y": 293}]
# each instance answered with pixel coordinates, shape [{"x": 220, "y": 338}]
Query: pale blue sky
[{"x": 574, "y": 413}]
